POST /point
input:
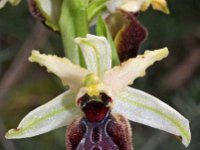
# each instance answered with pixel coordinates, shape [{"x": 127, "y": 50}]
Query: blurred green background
[{"x": 176, "y": 80}]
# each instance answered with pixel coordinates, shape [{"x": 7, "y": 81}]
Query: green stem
[{"x": 73, "y": 23}]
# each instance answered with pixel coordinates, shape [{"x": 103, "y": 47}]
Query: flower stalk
[{"x": 73, "y": 23}]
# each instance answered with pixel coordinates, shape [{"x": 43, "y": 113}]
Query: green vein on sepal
[
  {"x": 173, "y": 121},
  {"x": 28, "y": 126},
  {"x": 130, "y": 97}
]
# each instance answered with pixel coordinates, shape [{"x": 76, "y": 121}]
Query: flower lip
[{"x": 95, "y": 111}]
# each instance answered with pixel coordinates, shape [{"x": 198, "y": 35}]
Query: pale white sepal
[
  {"x": 97, "y": 53},
  {"x": 69, "y": 73},
  {"x": 126, "y": 5},
  {"x": 56, "y": 113},
  {"x": 13, "y": 2},
  {"x": 146, "y": 109},
  {"x": 121, "y": 76}
]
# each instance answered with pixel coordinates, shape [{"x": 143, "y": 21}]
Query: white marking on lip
[
  {"x": 105, "y": 129},
  {"x": 93, "y": 147},
  {"x": 82, "y": 142}
]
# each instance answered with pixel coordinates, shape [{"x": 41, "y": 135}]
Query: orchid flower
[{"x": 99, "y": 77}]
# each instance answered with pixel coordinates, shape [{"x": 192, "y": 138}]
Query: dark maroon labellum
[
  {"x": 99, "y": 129},
  {"x": 95, "y": 111}
]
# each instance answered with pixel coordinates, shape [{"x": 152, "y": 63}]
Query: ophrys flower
[{"x": 103, "y": 85}]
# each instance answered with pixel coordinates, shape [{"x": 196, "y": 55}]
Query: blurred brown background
[{"x": 176, "y": 80}]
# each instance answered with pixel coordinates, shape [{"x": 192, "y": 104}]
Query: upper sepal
[{"x": 97, "y": 53}]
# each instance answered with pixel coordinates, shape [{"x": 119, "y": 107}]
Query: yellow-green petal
[
  {"x": 146, "y": 109},
  {"x": 160, "y": 5},
  {"x": 121, "y": 76},
  {"x": 57, "y": 113},
  {"x": 69, "y": 73}
]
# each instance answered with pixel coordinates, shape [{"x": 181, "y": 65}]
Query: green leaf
[
  {"x": 57, "y": 113},
  {"x": 102, "y": 30},
  {"x": 146, "y": 109}
]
